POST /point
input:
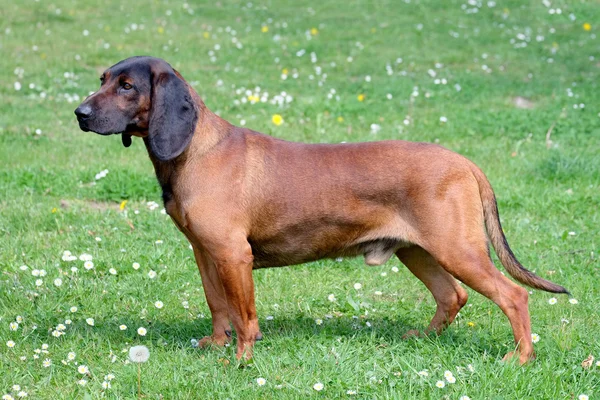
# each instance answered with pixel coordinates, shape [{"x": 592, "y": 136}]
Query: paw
[
  {"x": 213, "y": 341},
  {"x": 515, "y": 355},
  {"x": 413, "y": 333}
]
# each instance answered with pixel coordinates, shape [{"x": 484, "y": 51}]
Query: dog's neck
[{"x": 209, "y": 131}]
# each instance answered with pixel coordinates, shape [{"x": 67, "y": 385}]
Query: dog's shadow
[{"x": 280, "y": 331}]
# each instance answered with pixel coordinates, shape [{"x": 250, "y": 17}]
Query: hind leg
[
  {"x": 449, "y": 296},
  {"x": 472, "y": 265}
]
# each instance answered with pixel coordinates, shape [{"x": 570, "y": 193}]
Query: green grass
[{"x": 50, "y": 201}]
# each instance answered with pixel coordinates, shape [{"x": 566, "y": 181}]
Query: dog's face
[{"x": 142, "y": 96}]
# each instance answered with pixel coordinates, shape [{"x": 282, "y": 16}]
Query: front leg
[
  {"x": 233, "y": 261},
  {"x": 217, "y": 302}
]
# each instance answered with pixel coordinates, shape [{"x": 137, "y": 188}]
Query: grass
[{"x": 51, "y": 201}]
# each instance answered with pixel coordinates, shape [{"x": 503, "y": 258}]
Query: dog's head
[{"x": 145, "y": 97}]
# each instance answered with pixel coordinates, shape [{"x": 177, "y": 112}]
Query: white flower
[
  {"x": 14, "y": 326},
  {"x": 423, "y": 373},
  {"x": 16, "y": 388},
  {"x": 122, "y": 327},
  {"x": 139, "y": 353},
  {"x": 112, "y": 271},
  {"x": 19, "y": 319},
  {"x": 105, "y": 385},
  {"x": 158, "y": 304},
  {"x": 395, "y": 269},
  {"x": 39, "y": 282},
  {"x": 67, "y": 256},
  {"x": 71, "y": 356},
  {"x": 573, "y": 301},
  {"x": 357, "y": 286},
  {"x": 261, "y": 381},
  {"x": 152, "y": 274},
  {"x": 17, "y": 86},
  {"x": 440, "y": 384},
  {"x": 318, "y": 386},
  {"x": 35, "y": 272},
  {"x": 22, "y": 393},
  {"x": 552, "y": 301},
  {"x": 58, "y": 282},
  {"x": 73, "y": 309},
  {"x": 90, "y": 321},
  {"x": 109, "y": 377},
  {"x": 47, "y": 362},
  {"x": 142, "y": 331},
  {"x": 331, "y": 297},
  {"x": 135, "y": 265},
  {"x": 86, "y": 257},
  {"x": 451, "y": 379},
  {"x": 44, "y": 346},
  {"x": 583, "y": 397},
  {"x": 83, "y": 369},
  {"x": 10, "y": 344},
  {"x": 443, "y": 119},
  {"x": 351, "y": 392},
  {"x": 448, "y": 374},
  {"x": 378, "y": 293},
  {"x": 88, "y": 265},
  {"x": 319, "y": 321},
  {"x": 535, "y": 337},
  {"x": 82, "y": 382},
  {"x": 464, "y": 398}
]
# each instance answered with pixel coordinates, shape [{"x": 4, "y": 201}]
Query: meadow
[{"x": 88, "y": 256}]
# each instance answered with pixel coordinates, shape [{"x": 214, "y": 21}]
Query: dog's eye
[{"x": 127, "y": 86}]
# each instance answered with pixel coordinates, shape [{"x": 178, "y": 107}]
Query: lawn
[{"x": 511, "y": 85}]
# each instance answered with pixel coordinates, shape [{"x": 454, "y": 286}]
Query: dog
[{"x": 246, "y": 200}]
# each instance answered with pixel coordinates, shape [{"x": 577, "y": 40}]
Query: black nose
[{"x": 83, "y": 111}]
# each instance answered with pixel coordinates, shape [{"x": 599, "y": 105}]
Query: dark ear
[{"x": 173, "y": 116}]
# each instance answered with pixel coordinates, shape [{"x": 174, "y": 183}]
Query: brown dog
[{"x": 246, "y": 200}]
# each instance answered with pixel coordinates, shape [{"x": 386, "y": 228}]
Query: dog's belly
[{"x": 297, "y": 245}]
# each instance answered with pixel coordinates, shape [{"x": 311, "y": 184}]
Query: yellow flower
[
  {"x": 54, "y": 210},
  {"x": 373, "y": 30},
  {"x": 206, "y": 35},
  {"x": 264, "y": 29},
  {"x": 471, "y": 324},
  {"x": 284, "y": 71},
  {"x": 122, "y": 205},
  {"x": 160, "y": 30},
  {"x": 587, "y": 26},
  {"x": 277, "y": 119},
  {"x": 340, "y": 119},
  {"x": 314, "y": 31},
  {"x": 361, "y": 97}
]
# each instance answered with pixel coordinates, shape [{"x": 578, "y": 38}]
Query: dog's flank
[{"x": 246, "y": 200}]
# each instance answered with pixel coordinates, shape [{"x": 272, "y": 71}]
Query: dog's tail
[{"x": 496, "y": 235}]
